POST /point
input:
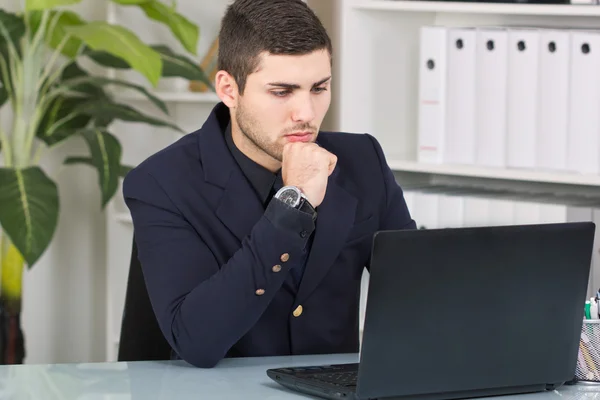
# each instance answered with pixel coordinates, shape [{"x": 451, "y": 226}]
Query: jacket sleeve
[
  {"x": 395, "y": 214},
  {"x": 204, "y": 308}
]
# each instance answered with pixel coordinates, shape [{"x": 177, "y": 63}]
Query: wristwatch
[{"x": 293, "y": 197}]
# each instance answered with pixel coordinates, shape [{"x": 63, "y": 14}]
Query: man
[{"x": 254, "y": 231}]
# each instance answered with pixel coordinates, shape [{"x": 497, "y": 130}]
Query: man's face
[{"x": 285, "y": 100}]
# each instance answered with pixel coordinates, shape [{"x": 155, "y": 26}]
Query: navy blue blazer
[{"x": 217, "y": 265}]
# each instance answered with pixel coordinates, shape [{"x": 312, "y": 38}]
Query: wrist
[{"x": 294, "y": 197}]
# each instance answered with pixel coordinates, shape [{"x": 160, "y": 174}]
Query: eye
[
  {"x": 319, "y": 89},
  {"x": 280, "y": 93}
]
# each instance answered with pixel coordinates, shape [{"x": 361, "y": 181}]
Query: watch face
[{"x": 290, "y": 197}]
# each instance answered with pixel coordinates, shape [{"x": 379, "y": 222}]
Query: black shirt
[{"x": 261, "y": 179}]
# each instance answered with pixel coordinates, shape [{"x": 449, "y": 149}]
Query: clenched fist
[{"x": 307, "y": 166}]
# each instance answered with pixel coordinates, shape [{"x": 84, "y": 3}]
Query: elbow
[
  {"x": 205, "y": 362},
  {"x": 201, "y": 358},
  {"x": 198, "y": 351}
]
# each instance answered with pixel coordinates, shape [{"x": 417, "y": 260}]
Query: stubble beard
[{"x": 251, "y": 130}]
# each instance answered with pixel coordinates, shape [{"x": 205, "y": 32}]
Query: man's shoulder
[
  {"x": 342, "y": 139},
  {"x": 351, "y": 148},
  {"x": 170, "y": 163}
]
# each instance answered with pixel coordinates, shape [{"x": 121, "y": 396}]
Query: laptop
[{"x": 464, "y": 312}]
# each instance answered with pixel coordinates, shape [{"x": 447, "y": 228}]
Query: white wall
[{"x": 329, "y": 12}]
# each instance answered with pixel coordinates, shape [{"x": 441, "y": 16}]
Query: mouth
[{"x": 299, "y": 136}]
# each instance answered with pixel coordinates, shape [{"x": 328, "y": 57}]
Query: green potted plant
[{"x": 52, "y": 98}]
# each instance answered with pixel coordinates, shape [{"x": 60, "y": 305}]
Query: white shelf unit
[
  {"x": 516, "y": 175},
  {"x": 456, "y": 7},
  {"x": 171, "y": 97},
  {"x": 378, "y": 80}
]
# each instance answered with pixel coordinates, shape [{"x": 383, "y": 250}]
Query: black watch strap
[{"x": 308, "y": 208}]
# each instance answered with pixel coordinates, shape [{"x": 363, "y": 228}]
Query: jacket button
[
  {"x": 276, "y": 268},
  {"x": 298, "y": 311},
  {"x": 260, "y": 292},
  {"x": 285, "y": 257}
]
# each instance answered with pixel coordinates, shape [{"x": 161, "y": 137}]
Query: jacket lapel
[
  {"x": 335, "y": 218},
  {"x": 238, "y": 205},
  {"x": 240, "y": 208}
]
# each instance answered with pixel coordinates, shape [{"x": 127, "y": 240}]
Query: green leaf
[
  {"x": 80, "y": 81},
  {"x": 105, "y": 150},
  {"x": 29, "y": 209},
  {"x": 105, "y": 108},
  {"x": 3, "y": 96},
  {"x": 131, "y": 2},
  {"x": 106, "y": 59},
  {"x": 61, "y": 120},
  {"x": 184, "y": 30},
  {"x": 174, "y": 65},
  {"x": 15, "y": 29},
  {"x": 31, "y": 5},
  {"x": 179, "y": 66},
  {"x": 122, "y": 43},
  {"x": 123, "y": 169},
  {"x": 58, "y": 33},
  {"x": 74, "y": 71},
  {"x": 99, "y": 82}
]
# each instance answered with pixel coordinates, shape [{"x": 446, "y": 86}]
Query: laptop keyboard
[{"x": 346, "y": 379}]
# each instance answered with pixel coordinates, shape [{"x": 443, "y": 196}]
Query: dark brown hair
[{"x": 279, "y": 27}]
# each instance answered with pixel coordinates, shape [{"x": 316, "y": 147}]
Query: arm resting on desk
[{"x": 204, "y": 308}]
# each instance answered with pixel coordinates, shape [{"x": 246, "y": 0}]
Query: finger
[
  {"x": 287, "y": 150},
  {"x": 332, "y": 163}
]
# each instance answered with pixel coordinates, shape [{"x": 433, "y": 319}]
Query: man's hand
[{"x": 307, "y": 166}]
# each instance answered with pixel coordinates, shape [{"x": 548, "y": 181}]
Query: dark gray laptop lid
[{"x": 485, "y": 310}]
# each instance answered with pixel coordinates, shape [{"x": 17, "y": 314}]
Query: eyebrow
[{"x": 295, "y": 85}]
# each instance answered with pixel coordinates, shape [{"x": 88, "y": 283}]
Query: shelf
[
  {"x": 173, "y": 97},
  {"x": 497, "y": 173},
  {"x": 516, "y": 184},
  {"x": 482, "y": 8}
]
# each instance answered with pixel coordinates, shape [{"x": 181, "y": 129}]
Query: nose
[{"x": 303, "y": 109}]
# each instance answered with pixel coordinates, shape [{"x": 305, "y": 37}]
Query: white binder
[
  {"x": 432, "y": 94},
  {"x": 460, "y": 99},
  {"x": 491, "y": 78},
  {"x": 523, "y": 61},
  {"x": 553, "y": 99},
  {"x": 583, "y": 150}
]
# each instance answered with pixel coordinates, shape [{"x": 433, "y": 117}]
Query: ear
[{"x": 226, "y": 88}]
